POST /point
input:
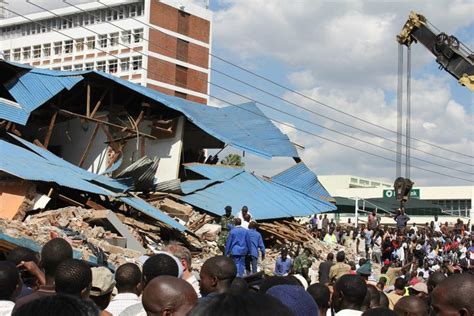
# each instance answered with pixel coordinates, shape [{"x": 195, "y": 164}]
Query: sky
[{"x": 341, "y": 56}]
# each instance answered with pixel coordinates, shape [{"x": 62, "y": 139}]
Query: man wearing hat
[
  {"x": 103, "y": 284},
  {"x": 227, "y": 222}
]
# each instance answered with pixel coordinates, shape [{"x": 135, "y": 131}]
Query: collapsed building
[{"x": 86, "y": 149}]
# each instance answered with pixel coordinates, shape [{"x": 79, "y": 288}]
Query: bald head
[
  {"x": 453, "y": 296},
  {"x": 168, "y": 295},
  {"x": 411, "y": 305}
]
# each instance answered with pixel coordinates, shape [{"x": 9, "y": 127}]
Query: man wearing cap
[
  {"x": 226, "y": 222},
  {"x": 103, "y": 284},
  {"x": 420, "y": 289}
]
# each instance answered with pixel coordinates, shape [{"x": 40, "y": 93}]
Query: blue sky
[{"x": 344, "y": 54}]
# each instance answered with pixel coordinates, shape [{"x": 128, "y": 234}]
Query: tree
[{"x": 233, "y": 160}]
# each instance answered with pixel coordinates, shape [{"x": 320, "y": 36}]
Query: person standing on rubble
[
  {"x": 255, "y": 242},
  {"x": 226, "y": 222},
  {"x": 237, "y": 246},
  {"x": 243, "y": 214},
  {"x": 325, "y": 222},
  {"x": 302, "y": 264}
]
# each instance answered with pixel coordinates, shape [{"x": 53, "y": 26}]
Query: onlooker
[
  {"x": 397, "y": 294},
  {"x": 20, "y": 255},
  {"x": 330, "y": 237},
  {"x": 184, "y": 255},
  {"x": 167, "y": 295},
  {"x": 237, "y": 246},
  {"x": 103, "y": 284},
  {"x": 412, "y": 306},
  {"x": 53, "y": 253},
  {"x": 453, "y": 296},
  {"x": 128, "y": 279},
  {"x": 283, "y": 263},
  {"x": 302, "y": 264},
  {"x": 217, "y": 274},
  {"x": 434, "y": 279},
  {"x": 58, "y": 305},
  {"x": 324, "y": 268},
  {"x": 340, "y": 268},
  {"x": 348, "y": 296},
  {"x": 10, "y": 286},
  {"x": 296, "y": 299},
  {"x": 73, "y": 277},
  {"x": 321, "y": 295},
  {"x": 226, "y": 222},
  {"x": 255, "y": 242}
]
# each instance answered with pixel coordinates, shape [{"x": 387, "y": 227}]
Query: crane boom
[{"x": 450, "y": 54}]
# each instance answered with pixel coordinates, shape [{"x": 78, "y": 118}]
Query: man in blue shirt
[
  {"x": 237, "y": 246},
  {"x": 283, "y": 263},
  {"x": 255, "y": 242}
]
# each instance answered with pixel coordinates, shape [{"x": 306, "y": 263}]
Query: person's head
[
  {"x": 247, "y": 304},
  {"x": 20, "y": 254},
  {"x": 159, "y": 264},
  {"x": 434, "y": 279},
  {"x": 128, "y": 278},
  {"x": 325, "y": 216},
  {"x": 436, "y": 217},
  {"x": 53, "y": 253},
  {"x": 217, "y": 274},
  {"x": 245, "y": 210},
  {"x": 296, "y": 299},
  {"x": 330, "y": 257},
  {"x": 253, "y": 225},
  {"x": 349, "y": 292},
  {"x": 168, "y": 295},
  {"x": 228, "y": 210},
  {"x": 374, "y": 294},
  {"x": 284, "y": 253},
  {"x": 453, "y": 296},
  {"x": 58, "y": 305},
  {"x": 10, "y": 281},
  {"x": 239, "y": 286},
  {"x": 182, "y": 253},
  {"x": 237, "y": 221},
  {"x": 272, "y": 281},
  {"x": 246, "y": 217},
  {"x": 103, "y": 284},
  {"x": 379, "y": 311},
  {"x": 400, "y": 284},
  {"x": 340, "y": 256},
  {"x": 411, "y": 306},
  {"x": 73, "y": 277},
  {"x": 352, "y": 264},
  {"x": 321, "y": 295},
  {"x": 382, "y": 281}
]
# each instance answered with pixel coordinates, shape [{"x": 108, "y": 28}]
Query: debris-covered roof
[
  {"x": 265, "y": 199},
  {"x": 13, "y": 112}
]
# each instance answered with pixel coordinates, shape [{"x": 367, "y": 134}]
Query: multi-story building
[{"x": 161, "y": 44}]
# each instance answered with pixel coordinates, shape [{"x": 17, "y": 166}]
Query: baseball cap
[
  {"x": 420, "y": 287},
  {"x": 102, "y": 281}
]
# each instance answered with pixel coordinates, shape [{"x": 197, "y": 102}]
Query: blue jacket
[
  {"x": 236, "y": 244},
  {"x": 255, "y": 241}
]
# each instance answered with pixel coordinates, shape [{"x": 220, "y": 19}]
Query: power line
[
  {"x": 264, "y": 104},
  {"x": 272, "y": 119},
  {"x": 298, "y": 93}
]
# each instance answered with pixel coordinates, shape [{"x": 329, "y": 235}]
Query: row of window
[
  {"x": 110, "y": 66},
  {"x": 73, "y": 20},
  {"x": 74, "y": 46}
]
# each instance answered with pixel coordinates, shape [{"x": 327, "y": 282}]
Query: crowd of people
[{"x": 425, "y": 270}]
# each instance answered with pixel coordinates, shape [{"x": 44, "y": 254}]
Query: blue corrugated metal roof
[
  {"x": 243, "y": 126},
  {"x": 214, "y": 172},
  {"x": 13, "y": 112},
  {"x": 149, "y": 210},
  {"x": 299, "y": 177},
  {"x": 194, "y": 185},
  {"x": 266, "y": 200}
]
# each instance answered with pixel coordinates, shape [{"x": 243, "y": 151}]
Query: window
[
  {"x": 121, "y": 12},
  {"x": 79, "y": 44},
  {"x": 68, "y": 47},
  {"x": 78, "y": 67},
  {"x": 354, "y": 180},
  {"x": 26, "y": 52},
  {"x": 365, "y": 182},
  {"x": 101, "y": 66},
  {"x": 113, "y": 66},
  {"x": 114, "y": 39},
  {"x": 124, "y": 64},
  {"x": 6, "y": 54},
  {"x": 108, "y": 15},
  {"x": 89, "y": 66},
  {"x": 102, "y": 41},
  {"x": 46, "y": 50},
  {"x": 37, "y": 51},
  {"x": 90, "y": 43},
  {"x": 182, "y": 50},
  {"x": 58, "y": 48},
  {"x": 137, "y": 62},
  {"x": 181, "y": 76},
  {"x": 67, "y": 68},
  {"x": 56, "y": 68},
  {"x": 16, "y": 54},
  {"x": 183, "y": 22},
  {"x": 133, "y": 10},
  {"x": 137, "y": 35},
  {"x": 126, "y": 37}
]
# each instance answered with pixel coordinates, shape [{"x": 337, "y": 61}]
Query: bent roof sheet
[
  {"x": 299, "y": 177},
  {"x": 13, "y": 112},
  {"x": 265, "y": 199},
  {"x": 243, "y": 126}
]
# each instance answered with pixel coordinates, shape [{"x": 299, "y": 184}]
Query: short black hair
[
  {"x": 399, "y": 283},
  {"x": 320, "y": 293},
  {"x": 58, "y": 305},
  {"x": 72, "y": 277},
  {"x": 434, "y": 279},
  {"x": 353, "y": 287},
  {"x": 330, "y": 256},
  {"x": 19, "y": 254},
  {"x": 159, "y": 264},
  {"x": 374, "y": 296},
  {"x": 9, "y": 279},
  {"x": 340, "y": 256},
  {"x": 53, "y": 253},
  {"x": 379, "y": 311},
  {"x": 221, "y": 267},
  {"x": 272, "y": 281},
  {"x": 239, "y": 286},
  {"x": 127, "y": 277}
]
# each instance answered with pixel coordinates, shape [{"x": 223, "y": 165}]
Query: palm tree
[{"x": 233, "y": 160}]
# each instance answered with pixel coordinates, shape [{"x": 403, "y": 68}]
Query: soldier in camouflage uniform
[
  {"x": 227, "y": 222},
  {"x": 302, "y": 264}
]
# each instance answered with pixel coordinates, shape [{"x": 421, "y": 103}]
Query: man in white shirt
[
  {"x": 348, "y": 296},
  {"x": 128, "y": 279},
  {"x": 184, "y": 255},
  {"x": 243, "y": 212},
  {"x": 10, "y": 287},
  {"x": 437, "y": 224}
]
